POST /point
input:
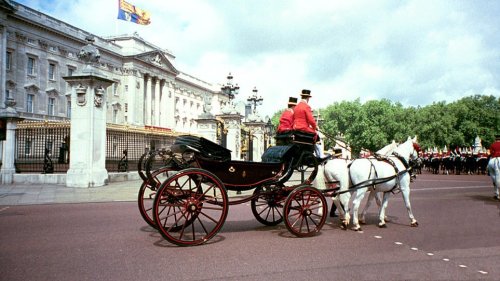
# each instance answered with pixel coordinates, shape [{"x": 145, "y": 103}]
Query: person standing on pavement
[
  {"x": 494, "y": 166},
  {"x": 304, "y": 120}
]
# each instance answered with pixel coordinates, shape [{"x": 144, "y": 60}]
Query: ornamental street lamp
[
  {"x": 256, "y": 100},
  {"x": 229, "y": 89},
  {"x": 268, "y": 132}
]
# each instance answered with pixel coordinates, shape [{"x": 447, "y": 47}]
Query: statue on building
[{"x": 207, "y": 106}]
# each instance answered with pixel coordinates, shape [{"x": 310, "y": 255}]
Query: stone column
[
  {"x": 9, "y": 117},
  {"x": 157, "y": 103},
  {"x": 163, "y": 104},
  {"x": 233, "y": 125},
  {"x": 3, "y": 65},
  {"x": 88, "y": 123},
  {"x": 147, "y": 86}
]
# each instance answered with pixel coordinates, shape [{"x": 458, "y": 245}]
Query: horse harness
[{"x": 377, "y": 180}]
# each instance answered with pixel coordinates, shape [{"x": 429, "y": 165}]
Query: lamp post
[
  {"x": 319, "y": 119},
  {"x": 229, "y": 89},
  {"x": 256, "y": 100},
  {"x": 268, "y": 132}
]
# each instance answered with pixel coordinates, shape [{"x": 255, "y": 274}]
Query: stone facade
[{"x": 38, "y": 50}]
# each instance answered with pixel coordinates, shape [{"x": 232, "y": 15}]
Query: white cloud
[{"x": 415, "y": 52}]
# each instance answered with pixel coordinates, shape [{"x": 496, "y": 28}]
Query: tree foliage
[{"x": 376, "y": 123}]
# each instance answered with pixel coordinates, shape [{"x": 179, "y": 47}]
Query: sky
[{"x": 414, "y": 52}]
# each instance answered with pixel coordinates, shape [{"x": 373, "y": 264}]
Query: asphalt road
[{"x": 458, "y": 238}]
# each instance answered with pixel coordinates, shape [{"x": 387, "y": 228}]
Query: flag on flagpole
[{"x": 129, "y": 12}]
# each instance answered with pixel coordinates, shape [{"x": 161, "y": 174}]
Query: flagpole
[{"x": 116, "y": 20}]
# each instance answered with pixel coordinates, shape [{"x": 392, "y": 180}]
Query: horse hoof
[
  {"x": 414, "y": 224},
  {"x": 362, "y": 222},
  {"x": 357, "y": 229},
  {"x": 343, "y": 226},
  {"x": 382, "y": 225}
]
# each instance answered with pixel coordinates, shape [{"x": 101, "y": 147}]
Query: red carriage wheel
[
  {"x": 147, "y": 192},
  {"x": 267, "y": 205},
  {"x": 190, "y": 207},
  {"x": 305, "y": 211}
]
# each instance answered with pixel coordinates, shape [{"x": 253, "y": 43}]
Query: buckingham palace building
[{"x": 37, "y": 50}]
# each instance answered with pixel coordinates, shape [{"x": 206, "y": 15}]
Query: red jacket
[
  {"x": 495, "y": 149},
  {"x": 304, "y": 120},
  {"x": 286, "y": 121}
]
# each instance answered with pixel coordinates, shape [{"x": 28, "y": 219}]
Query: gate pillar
[
  {"x": 232, "y": 124},
  {"x": 256, "y": 134},
  {"x": 88, "y": 122},
  {"x": 8, "y": 118},
  {"x": 207, "y": 128}
]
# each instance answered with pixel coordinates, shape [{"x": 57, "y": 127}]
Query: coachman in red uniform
[
  {"x": 304, "y": 120},
  {"x": 287, "y": 117},
  {"x": 495, "y": 147}
]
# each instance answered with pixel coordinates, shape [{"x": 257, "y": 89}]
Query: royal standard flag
[{"x": 129, "y": 12}]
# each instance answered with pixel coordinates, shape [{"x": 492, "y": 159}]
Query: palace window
[
  {"x": 52, "y": 71},
  {"x": 51, "y": 106},
  {"x": 71, "y": 70},
  {"x": 29, "y": 103},
  {"x": 68, "y": 109},
  {"x": 31, "y": 67},
  {"x": 9, "y": 60}
]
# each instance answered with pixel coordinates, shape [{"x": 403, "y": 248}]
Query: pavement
[{"x": 30, "y": 194}]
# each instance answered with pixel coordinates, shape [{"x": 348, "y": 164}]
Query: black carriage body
[{"x": 275, "y": 168}]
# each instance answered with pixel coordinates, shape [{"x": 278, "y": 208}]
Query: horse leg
[
  {"x": 360, "y": 194},
  {"x": 338, "y": 206},
  {"x": 405, "y": 191},
  {"x": 495, "y": 178},
  {"x": 367, "y": 205},
  {"x": 381, "y": 214},
  {"x": 343, "y": 207}
]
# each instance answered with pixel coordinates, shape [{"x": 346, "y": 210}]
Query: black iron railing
[{"x": 44, "y": 147}]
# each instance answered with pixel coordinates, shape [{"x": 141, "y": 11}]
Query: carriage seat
[
  {"x": 279, "y": 153},
  {"x": 299, "y": 137}
]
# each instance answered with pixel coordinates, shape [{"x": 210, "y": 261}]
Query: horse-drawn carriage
[
  {"x": 184, "y": 194},
  {"x": 185, "y": 189}
]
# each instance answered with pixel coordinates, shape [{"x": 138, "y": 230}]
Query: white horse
[
  {"x": 336, "y": 170},
  {"x": 383, "y": 176},
  {"x": 494, "y": 170}
]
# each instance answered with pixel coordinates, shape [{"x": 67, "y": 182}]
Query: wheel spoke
[{"x": 201, "y": 205}]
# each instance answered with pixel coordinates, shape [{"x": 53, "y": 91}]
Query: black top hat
[
  {"x": 306, "y": 94},
  {"x": 292, "y": 101},
  {"x": 497, "y": 136}
]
